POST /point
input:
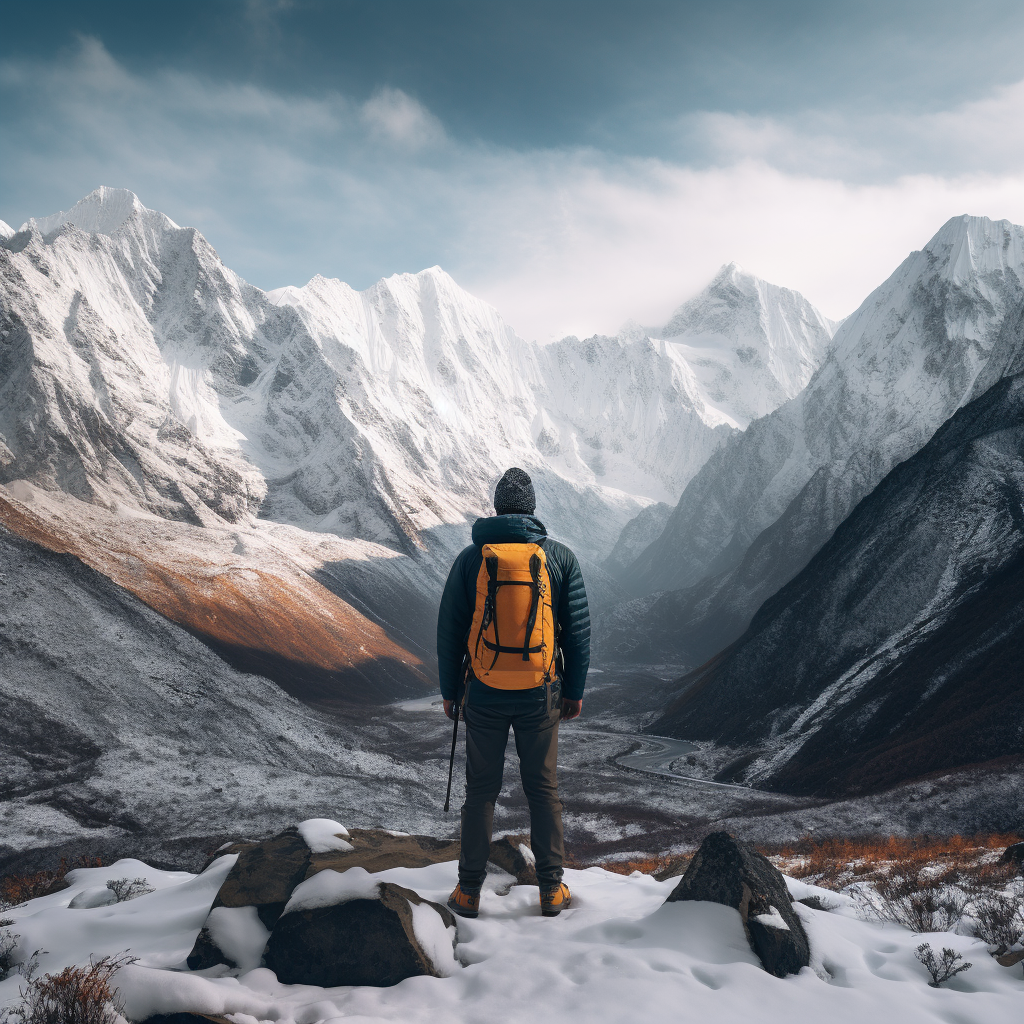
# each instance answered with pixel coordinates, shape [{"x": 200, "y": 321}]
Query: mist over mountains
[{"x": 285, "y": 476}]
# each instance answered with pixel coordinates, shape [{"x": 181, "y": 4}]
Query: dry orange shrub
[
  {"x": 15, "y": 889},
  {"x": 828, "y": 861}
]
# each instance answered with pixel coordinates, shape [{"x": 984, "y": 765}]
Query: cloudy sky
[{"x": 574, "y": 162}]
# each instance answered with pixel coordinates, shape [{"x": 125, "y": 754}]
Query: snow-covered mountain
[
  {"x": 936, "y": 334},
  {"x": 752, "y": 345},
  {"x": 896, "y": 651}
]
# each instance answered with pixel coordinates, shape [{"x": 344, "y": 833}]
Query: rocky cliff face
[{"x": 895, "y": 652}]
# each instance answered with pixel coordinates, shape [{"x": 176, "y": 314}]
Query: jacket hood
[{"x": 510, "y": 529}]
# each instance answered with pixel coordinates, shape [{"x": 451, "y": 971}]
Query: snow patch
[
  {"x": 329, "y": 888},
  {"x": 322, "y": 835},
  {"x": 436, "y": 939},
  {"x": 240, "y": 934},
  {"x": 773, "y": 919}
]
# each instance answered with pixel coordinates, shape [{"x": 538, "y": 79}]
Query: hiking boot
[
  {"x": 554, "y": 901},
  {"x": 464, "y": 902}
]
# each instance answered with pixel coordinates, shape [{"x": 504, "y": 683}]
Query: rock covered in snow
[
  {"x": 293, "y": 868},
  {"x": 350, "y": 929},
  {"x": 729, "y": 871},
  {"x": 515, "y": 857}
]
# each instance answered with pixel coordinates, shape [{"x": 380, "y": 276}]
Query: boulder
[
  {"x": 726, "y": 870},
  {"x": 377, "y": 850},
  {"x": 1013, "y": 855},
  {"x": 262, "y": 880},
  {"x": 513, "y": 855},
  {"x": 265, "y": 875},
  {"x": 350, "y": 929}
]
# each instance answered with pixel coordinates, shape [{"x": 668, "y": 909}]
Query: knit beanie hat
[{"x": 514, "y": 494}]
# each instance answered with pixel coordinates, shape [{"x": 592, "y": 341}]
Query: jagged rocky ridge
[
  {"x": 896, "y": 651},
  {"x": 938, "y": 333},
  {"x": 137, "y": 369}
]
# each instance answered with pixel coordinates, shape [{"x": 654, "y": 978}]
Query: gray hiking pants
[{"x": 536, "y": 731}]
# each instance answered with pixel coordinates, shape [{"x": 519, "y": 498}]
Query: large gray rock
[
  {"x": 1014, "y": 855},
  {"x": 254, "y": 893},
  {"x": 513, "y": 855},
  {"x": 728, "y": 871},
  {"x": 357, "y": 931}
]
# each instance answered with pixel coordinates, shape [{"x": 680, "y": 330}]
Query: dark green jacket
[{"x": 568, "y": 600}]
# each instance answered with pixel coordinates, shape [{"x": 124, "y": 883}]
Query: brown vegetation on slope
[{"x": 261, "y": 612}]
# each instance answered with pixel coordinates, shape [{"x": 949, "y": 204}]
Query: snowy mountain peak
[
  {"x": 751, "y": 344},
  {"x": 104, "y": 211},
  {"x": 969, "y": 246},
  {"x": 6, "y": 230}
]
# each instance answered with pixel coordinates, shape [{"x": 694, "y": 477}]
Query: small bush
[
  {"x": 941, "y": 969},
  {"x": 18, "y": 889},
  {"x": 77, "y": 995},
  {"x": 919, "y": 901},
  {"x": 999, "y": 919},
  {"x": 125, "y": 889},
  {"x": 8, "y": 944}
]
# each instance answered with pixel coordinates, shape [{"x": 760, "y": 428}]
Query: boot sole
[
  {"x": 552, "y": 912},
  {"x": 462, "y": 912}
]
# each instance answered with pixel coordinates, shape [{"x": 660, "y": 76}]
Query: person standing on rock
[{"x": 515, "y": 625}]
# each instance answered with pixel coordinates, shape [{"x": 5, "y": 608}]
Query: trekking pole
[
  {"x": 451, "y": 760},
  {"x": 455, "y": 731}
]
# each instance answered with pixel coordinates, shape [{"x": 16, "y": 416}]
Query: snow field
[{"x": 618, "y": 954}]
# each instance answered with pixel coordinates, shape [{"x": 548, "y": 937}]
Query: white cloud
[
  {"x": 561, "y": 241},
  {"x": 393, "y": 115}
]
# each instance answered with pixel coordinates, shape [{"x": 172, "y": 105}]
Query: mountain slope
[
  {"x": 896, "y": 651},
  {"x": 939, "y": 331},
  {"x": 118, "y": 723}
]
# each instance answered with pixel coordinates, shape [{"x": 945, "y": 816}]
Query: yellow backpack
[{"x": 512, "y": 639}]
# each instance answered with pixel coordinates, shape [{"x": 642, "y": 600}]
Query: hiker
[{"x": 513, "y": 648}]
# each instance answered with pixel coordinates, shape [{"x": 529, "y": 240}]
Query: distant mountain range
[
  {"x": 938, "y": 333},
  {"x": 201, "y": 420},
  {"x": 825, "y": 511}
]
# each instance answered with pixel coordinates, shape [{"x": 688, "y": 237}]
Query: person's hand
[
  {"x": 449, "y": 709},
  {"x": 571, "y": 709}
]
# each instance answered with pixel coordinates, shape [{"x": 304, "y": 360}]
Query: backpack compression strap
[
  {"x": 492, "y": 599},
  {"x": 534, "y": 601}
]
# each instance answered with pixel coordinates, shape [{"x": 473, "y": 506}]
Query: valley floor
[{"x": 172, "y": 806}]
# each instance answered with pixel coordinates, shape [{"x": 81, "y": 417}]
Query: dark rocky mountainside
[{"x": 896, "y": 651}]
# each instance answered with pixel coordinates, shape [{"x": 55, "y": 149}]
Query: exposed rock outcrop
[
  {"x": 728, "y": 871},
  {"x": 349, "y": 929}
]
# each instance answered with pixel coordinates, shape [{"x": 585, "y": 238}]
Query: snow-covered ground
[{"x": 618, "y": 954}]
